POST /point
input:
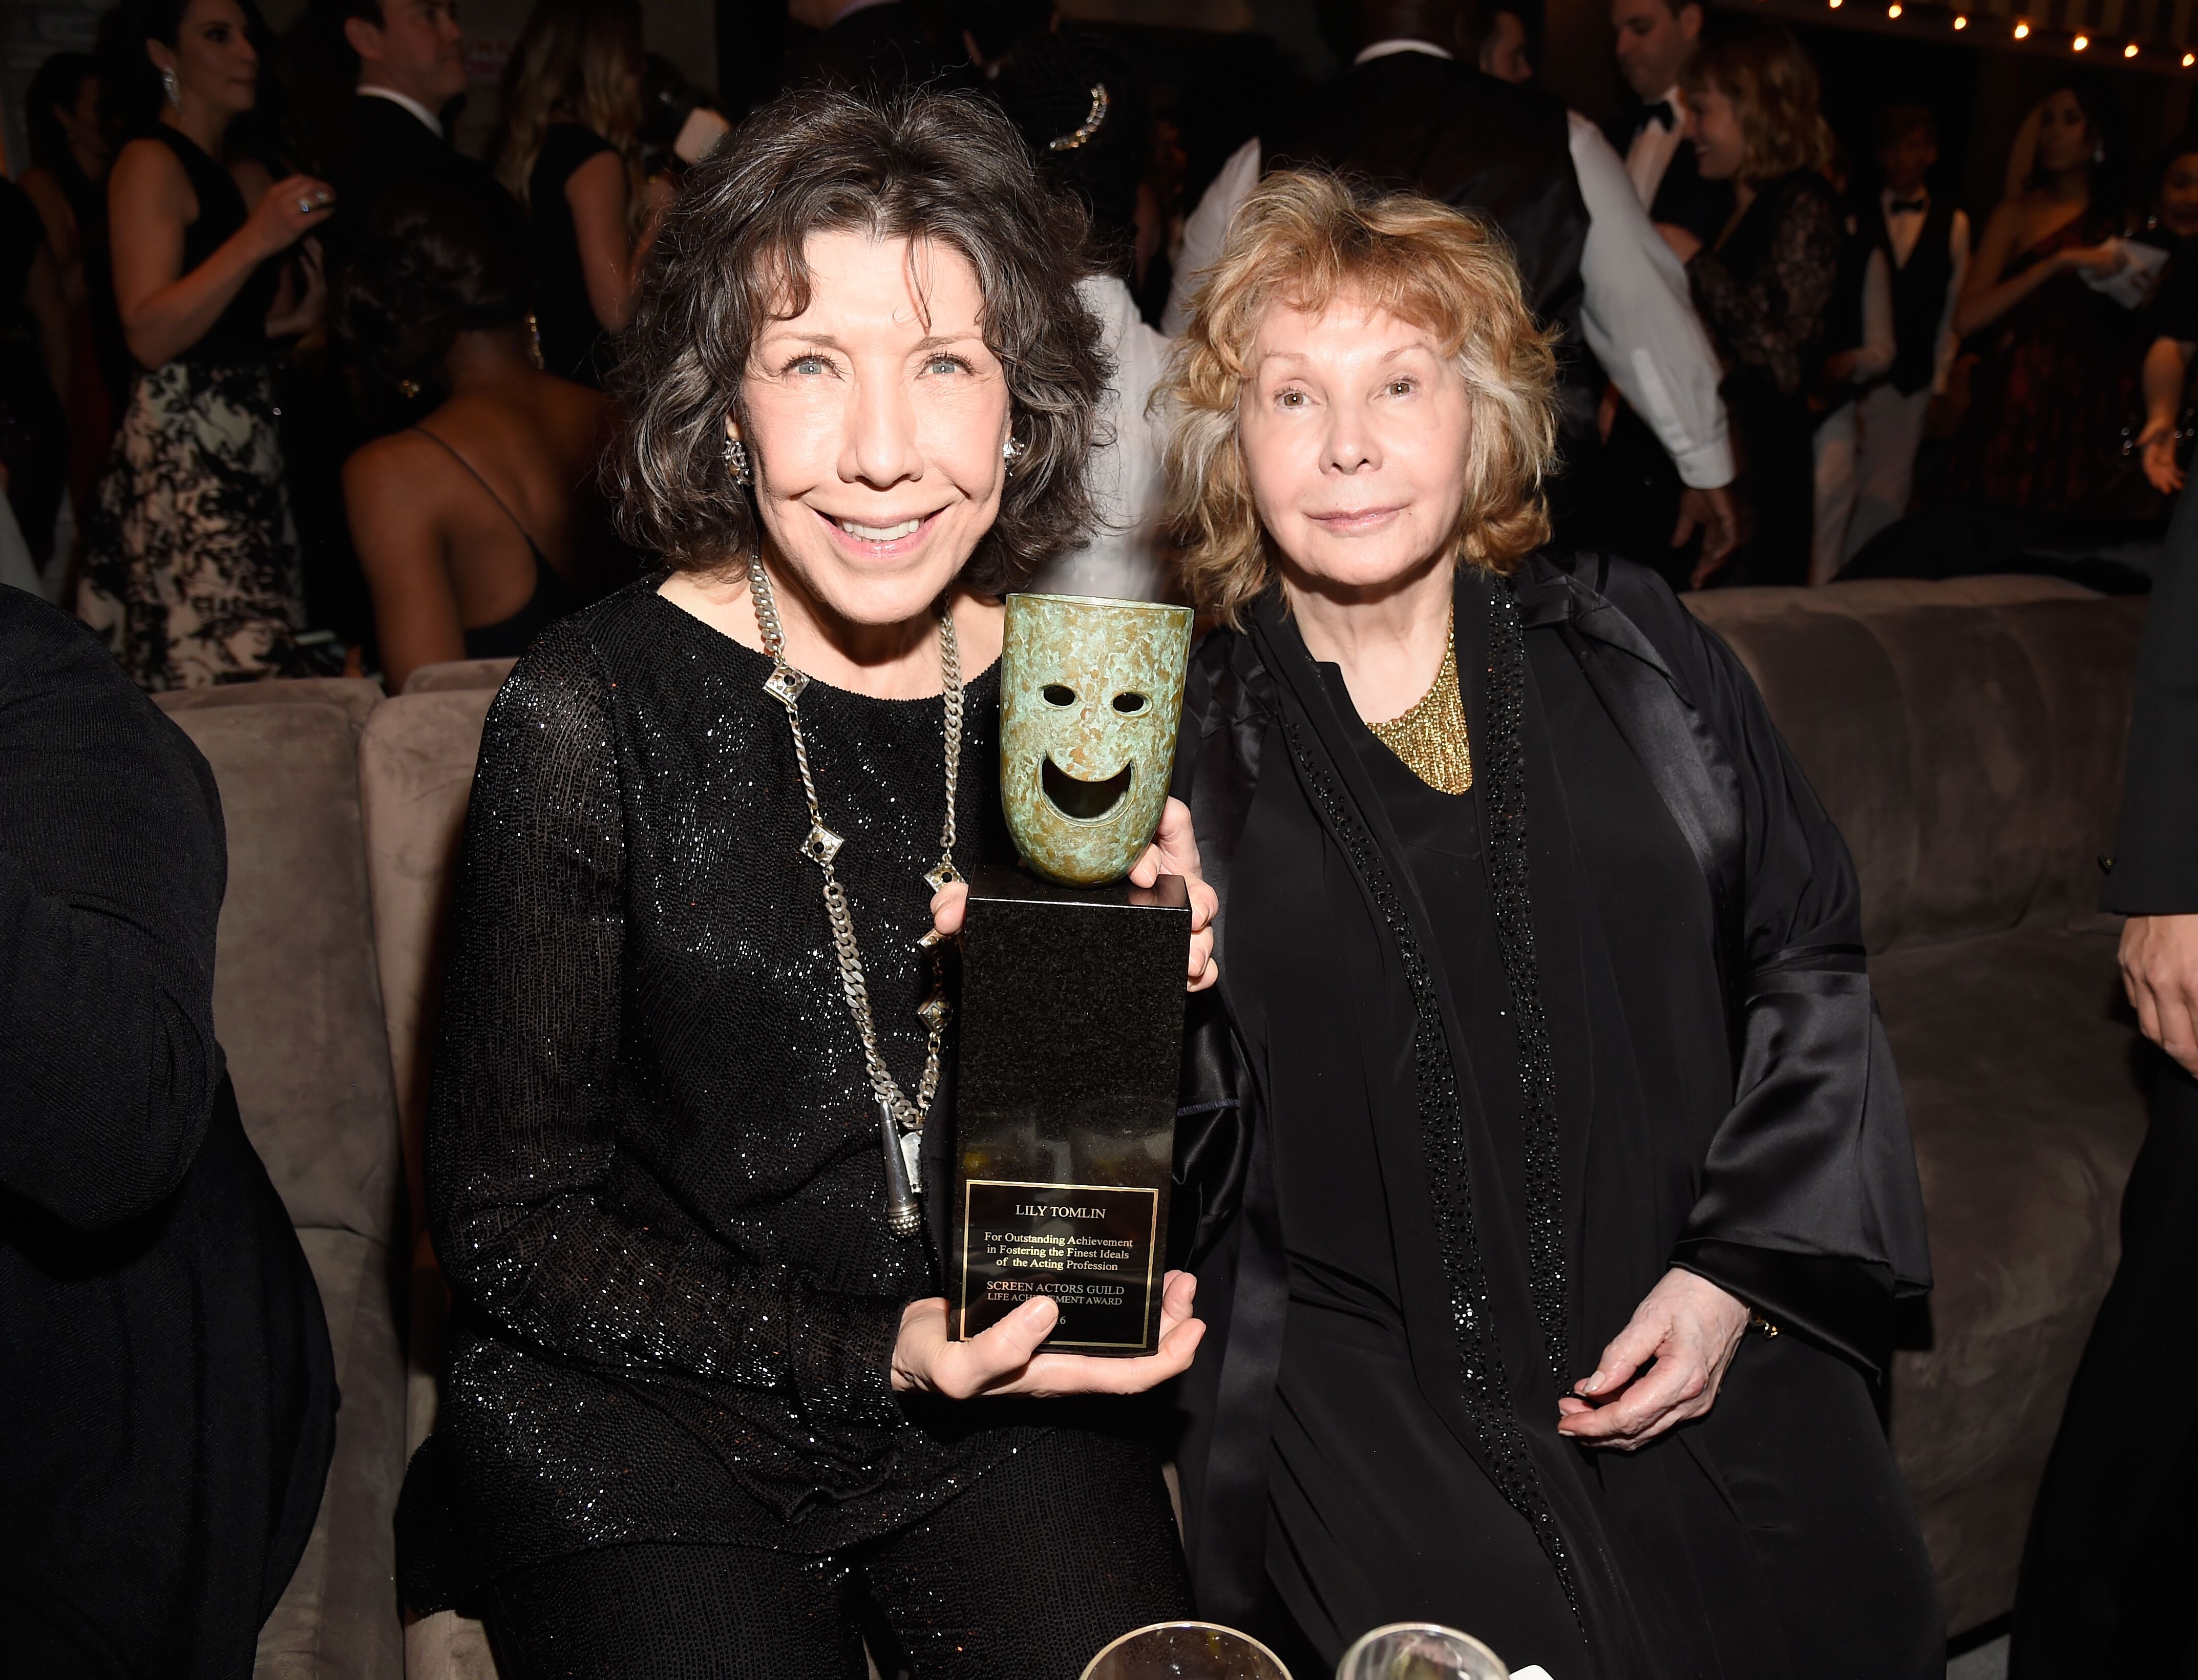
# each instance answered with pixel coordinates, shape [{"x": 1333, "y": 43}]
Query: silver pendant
[{"x": 904, "y": 1212}]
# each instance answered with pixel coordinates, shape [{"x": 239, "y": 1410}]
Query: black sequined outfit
[{"x": 652, "y": 1160}]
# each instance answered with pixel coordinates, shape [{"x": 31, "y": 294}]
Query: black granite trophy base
[{"x": 1071, "y": 1045}]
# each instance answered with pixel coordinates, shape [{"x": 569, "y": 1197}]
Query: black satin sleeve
[{"x": 1809, "y": 1204}]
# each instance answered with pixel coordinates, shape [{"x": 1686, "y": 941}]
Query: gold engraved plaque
[{"x": 1093, "y": 1249}]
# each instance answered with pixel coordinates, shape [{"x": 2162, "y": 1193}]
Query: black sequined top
[{"x": 654, "y": 1171}]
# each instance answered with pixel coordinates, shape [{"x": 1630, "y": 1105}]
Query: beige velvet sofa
[{"x": 1967, "y": 736}]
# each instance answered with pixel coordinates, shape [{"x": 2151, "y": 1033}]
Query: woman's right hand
[
  {"x": 286, "y": 211},
  {"x": 1005, "y": 1359},
  {"x": 2157, "y": 443},
  {"x": 2096, "y": 260}
]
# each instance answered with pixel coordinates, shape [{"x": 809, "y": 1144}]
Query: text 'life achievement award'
[{"x": 1072, "y": 985}]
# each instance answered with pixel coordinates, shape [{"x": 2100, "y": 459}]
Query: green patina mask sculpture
[{"x": 1090, "y": 697}]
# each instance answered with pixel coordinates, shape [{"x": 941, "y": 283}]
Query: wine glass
[
  {"x": 1186, "y": 1651},
  {"x": 1420, "y": 1651}
]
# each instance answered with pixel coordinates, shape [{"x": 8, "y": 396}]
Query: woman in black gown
[
  {"x": 701, "y": 1418},
  {"x": 1764, "y": 286},
  {"x": 1543, "y": 1047}
]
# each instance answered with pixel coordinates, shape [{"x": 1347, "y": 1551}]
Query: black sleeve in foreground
[
  {"x": 2155, "y": 862},
  {"x": 112, "y": 866}
]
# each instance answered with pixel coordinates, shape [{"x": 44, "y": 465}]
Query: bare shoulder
[
  {"x": 147, "y": 172},
  {"x": 398, "y": 480}
]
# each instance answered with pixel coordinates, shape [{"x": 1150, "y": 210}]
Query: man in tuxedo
[
  {"x": 872, "y": 47},
  {"x": 1655, "y": 38},
  {"x": 410, "y": 69},
  {"x": 2107, "y": 1575}
]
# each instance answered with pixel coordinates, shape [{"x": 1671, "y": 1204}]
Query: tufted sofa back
[{"x": 1967, "y": 738}]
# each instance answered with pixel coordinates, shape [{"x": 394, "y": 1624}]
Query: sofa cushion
[
  {"x": 2016, "y": 1057},
  {"x": 297, "y": 1004},
  {"x": 1970, "y": 753},
  {"x": 356, "y": 696},
  {"x": 416, "y": 770},
  {"x": 337, "y": 1620},
  {"x": 431, "y": 679}
]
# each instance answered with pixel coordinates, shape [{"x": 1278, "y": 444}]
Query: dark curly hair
[
  {"x": 435, "y": 259},
  {"x": 945, "y": 166}
]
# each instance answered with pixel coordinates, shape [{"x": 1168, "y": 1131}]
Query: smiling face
[
  {"x": 1653, "y": 37},
  {"x": 874, "y": 421},
  {"x": 1354, "y": 426},
  {"x": 1091, "y": 696},
  {"x": 1713, "y": 125},
  {"x": 213, "y": 60}
]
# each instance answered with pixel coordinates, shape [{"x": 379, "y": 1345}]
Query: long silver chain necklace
[{"x": 900, "y": 1121}]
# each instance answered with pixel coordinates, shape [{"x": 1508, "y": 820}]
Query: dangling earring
[
  {"x": 175, "y": 89},
  {"x": 736, "y": 459},
  {"x": 1013, "y": 451}
]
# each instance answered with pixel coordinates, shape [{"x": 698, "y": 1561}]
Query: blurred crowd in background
[{"x": 289, "y": 383}]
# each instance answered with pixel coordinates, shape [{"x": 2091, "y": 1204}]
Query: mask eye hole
[
  {"x": 1126, "y": 704},
  {"x": 1057, "y": 694}
]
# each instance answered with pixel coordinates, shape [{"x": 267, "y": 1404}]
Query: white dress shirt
[
  {"x": 1640, "y": 321},
  {"x": 1125, "y": 558},
  {"x": 1655, "y": 147},
  {"x": 1875, "y": 354},
  {"x": 1902, "y": 231},
  {"x": 434, "y": 123},
  {"x": 1637, "y": 312}
]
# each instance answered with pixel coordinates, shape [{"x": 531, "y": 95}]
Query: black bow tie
[
  {"x": 1907, "y": 206},
  {"x": 1660, "y": 111}
]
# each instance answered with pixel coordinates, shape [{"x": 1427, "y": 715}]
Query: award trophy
[{"x": 1073, "y": 986}]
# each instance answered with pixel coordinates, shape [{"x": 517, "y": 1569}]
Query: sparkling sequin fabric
[{"x": 653, "y": 1163}]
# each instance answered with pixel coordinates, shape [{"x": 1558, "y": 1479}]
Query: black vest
[{"x": 1919, "y": 288}]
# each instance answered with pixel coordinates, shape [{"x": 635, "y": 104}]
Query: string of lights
[{"x": 2033, "y": 32}]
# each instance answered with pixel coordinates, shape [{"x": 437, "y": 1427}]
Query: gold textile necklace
[{"x": 1431, "y": 739}]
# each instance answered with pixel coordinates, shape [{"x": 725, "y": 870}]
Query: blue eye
[{"x": 947, "y": 365}]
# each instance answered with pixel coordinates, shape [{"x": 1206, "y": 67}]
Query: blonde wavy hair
[
  {"x": 575, "y": 58},
  {"x": 1303, "y": 238},
  {"x": 1760, "y": 68}
]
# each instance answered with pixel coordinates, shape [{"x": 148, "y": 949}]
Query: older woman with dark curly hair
[
  {"x": 702, "y": 1417},
  {"x": 1557, "y": 1183}
]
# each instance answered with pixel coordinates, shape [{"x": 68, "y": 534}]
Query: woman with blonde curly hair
[
  {"x": 1542, "y": 1064},
  {"x": 1764, "y": 285}
]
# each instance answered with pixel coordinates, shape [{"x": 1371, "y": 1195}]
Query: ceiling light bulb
[
  {"x": 2080, "y": 42},
  {"x": 2190, "y": 58},
  {"x": 2130, "y": 51},
  {"x": 1961, "y": 22},
  {"x": 2021, "y": 31},
  {"x": 1893, "y": 11}
]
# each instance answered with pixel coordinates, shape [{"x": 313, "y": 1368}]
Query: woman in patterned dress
[{"x": 192, "y": 570}]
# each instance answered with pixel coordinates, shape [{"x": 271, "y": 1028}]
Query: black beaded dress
[
  {"x": 654, "y": 1171},
  {"x": 1496, "y": 1060}
]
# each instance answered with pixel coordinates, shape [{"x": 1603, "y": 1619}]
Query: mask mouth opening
[{"x": 1083, "y": 802}]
